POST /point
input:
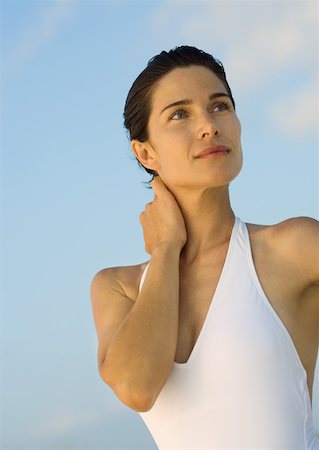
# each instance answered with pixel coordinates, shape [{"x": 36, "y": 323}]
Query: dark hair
[{"x": 138, "y": 102}]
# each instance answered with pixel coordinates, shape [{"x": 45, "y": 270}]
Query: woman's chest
[
  {"x": 293, "y": 306},
  {"x": 197, "y": 296}
]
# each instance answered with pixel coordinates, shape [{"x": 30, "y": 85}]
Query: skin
[
  {"x": 191, "y": 209},
  {"x": 200, "y": 186},
  {"x": 186, "y": 230}
]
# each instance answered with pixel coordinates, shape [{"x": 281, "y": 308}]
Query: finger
[
  {"x": 153, "y": 182},
  {"x": 156, "y": 184},
  {"x": 159, "y": 187}
]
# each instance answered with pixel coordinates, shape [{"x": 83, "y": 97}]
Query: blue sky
[{"x": 72, "y": 191}]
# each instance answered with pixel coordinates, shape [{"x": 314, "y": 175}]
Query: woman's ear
[{"x": 145, "y": 154}]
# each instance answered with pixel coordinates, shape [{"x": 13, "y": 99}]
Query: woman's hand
[{"x": 162, "y": 219}]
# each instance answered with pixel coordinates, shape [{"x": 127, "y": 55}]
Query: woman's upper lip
[{"x": 208, "y": 150}]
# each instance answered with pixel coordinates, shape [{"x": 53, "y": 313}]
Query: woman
[{"x": 214, "y": 340}]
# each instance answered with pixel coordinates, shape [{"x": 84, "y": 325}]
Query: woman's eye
[
  {"x": 177, "y": 112},
  {"x": 224, "y": 105}
]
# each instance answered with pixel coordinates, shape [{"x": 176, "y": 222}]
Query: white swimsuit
[{"x": 244, "y": 385}]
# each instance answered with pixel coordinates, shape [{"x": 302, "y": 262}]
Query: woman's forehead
[{"x": 184, "y": 83}]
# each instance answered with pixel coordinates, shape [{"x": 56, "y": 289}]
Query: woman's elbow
[{"x": 136, "y": 399}]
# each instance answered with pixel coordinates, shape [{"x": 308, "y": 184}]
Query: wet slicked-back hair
[{"x": 137, "y": 107}]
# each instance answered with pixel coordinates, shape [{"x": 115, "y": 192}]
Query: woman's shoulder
[
  {"x": 293, "y": 241},
  {"x": 288, "y": 231},
  {"x": 126, "y": 277}
]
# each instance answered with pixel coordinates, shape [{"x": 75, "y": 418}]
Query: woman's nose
[{"x": 207, "y": 125}]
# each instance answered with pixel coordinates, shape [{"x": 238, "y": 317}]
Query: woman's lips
[
  {"x": 214, "y": 151},
  {"x": 214, "y": 154}
]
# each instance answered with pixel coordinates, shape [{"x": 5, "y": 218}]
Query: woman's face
[{"x": 178, "y": 133}]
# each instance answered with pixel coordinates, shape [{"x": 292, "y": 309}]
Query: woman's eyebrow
[{"x": 188, "y": 102}]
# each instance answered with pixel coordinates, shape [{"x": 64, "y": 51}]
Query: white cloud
[
  {"x": 257, "y": 39},
  {"x": 39, "y": 32},
  {"x": 297, "y": 114},
  {"x": 273, "y": 42},
  {"x": 259, "y": 43},
  {"x": 66, "y": 420}
]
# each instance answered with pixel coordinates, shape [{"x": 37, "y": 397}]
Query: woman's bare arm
[
  {"x": 137, "y": 340},
  {"x": 136, "y": 360}
]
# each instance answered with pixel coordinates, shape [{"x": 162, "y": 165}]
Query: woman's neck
[{"x": 209, "y": 220}]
